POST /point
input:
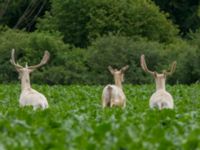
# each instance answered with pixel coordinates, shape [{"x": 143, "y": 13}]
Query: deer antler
[
  {"x": 111, "y": 69},
  {"x": 124, "y": 68},
  {"x": 43, "y": 61},
  {"x": 172, "y": 69},
  {"x": 12, "y": 60},
  {"x": 144, "y": 66}
]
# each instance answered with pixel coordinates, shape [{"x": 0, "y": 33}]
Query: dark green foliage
[
  {"x": 81, "y": 21},
  {"x": 194, "y": 38},
  {"x": 184, "y": 13},
  {"x": 75, "y": 120},
  {"x": 11, "y": 11},
  {"x": 66, "y": 65},
  {"x": 112, "y": 32},
  {"x": 118, "y": 52},
  {"x": 70, "y": 70},
  {"x": 70, "y": 65},
  {"x": 22, "y": 14},
  {"x": 187, "y": 57},
  {"x": 30, "y": 48}
]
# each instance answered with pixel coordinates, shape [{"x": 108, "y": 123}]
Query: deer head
[
  {"x": 25, "y": 71},
  {"x": 118, "y": 74},
  {"x": 160, "y": 78}
]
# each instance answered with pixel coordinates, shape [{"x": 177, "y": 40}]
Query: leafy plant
[{"x": 75, "y": 120}]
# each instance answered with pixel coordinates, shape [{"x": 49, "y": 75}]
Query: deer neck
[
  {"x": 25, "y": 81},
  {"x": 160, "y": 84},
  {"x": 118, "y": 83}
]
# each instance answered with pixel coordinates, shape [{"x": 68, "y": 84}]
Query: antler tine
[
  {"x": 124, "y": 68},
  {"x": 12, "y": 60},
  {"x": 43, "y": 61},
  {"x": 172, "y": 69},
  {"x": 144, "y": 66}
]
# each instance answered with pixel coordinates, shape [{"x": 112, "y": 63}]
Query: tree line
[{"x": 85, "y": 36}]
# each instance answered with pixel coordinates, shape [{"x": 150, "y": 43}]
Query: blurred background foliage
[{"x": 85, "y": 36}]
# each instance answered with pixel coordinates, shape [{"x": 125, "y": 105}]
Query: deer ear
[
  {"x": 124, "y": 68},
  {"x": 111, "y": 69}
]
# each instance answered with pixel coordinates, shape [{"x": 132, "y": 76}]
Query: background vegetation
[
  {"x": 85, "y": 36},
  {"x": 76, "y": 120}
]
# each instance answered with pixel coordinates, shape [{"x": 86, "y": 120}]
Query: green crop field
[{"x": 76, "y": 120}]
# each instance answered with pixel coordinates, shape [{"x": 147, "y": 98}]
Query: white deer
[
  {"x": 29, "y": 96},
  {"x": 113, "y": 95},
  {"x": 161, "y": 98}
]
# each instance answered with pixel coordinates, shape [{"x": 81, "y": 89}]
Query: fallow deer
[
  {"x": 113, "y": 95},
  {"x": 161, "y": 98},
  {"x": 29, "y": 96}
]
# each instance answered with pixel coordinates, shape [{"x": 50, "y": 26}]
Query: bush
[
  {"x": 72, "y": 69},
  {"x": 66, "y": 64},
  {"x": 194, "y": 38},
  {"x": 187, "y": 57},
  {"x": 70, "y": 65},
  {"x": 30, "y": 48},
  {"x": 119, "y": 51},
  {"x": 82, "y": 21}
]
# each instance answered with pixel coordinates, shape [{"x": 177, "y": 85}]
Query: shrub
[
  {"x": 187, "y": 57},
  {"x": 70, "y": 65},
  {"x": 82, "y": 21},
  {"x": 194, "y": 38},
  {"x": 29, "y": 48},
  {"x": 71, "y": 70},
  {"x": 66, "y": 64},
  {"x": 118, "y": 51}
]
